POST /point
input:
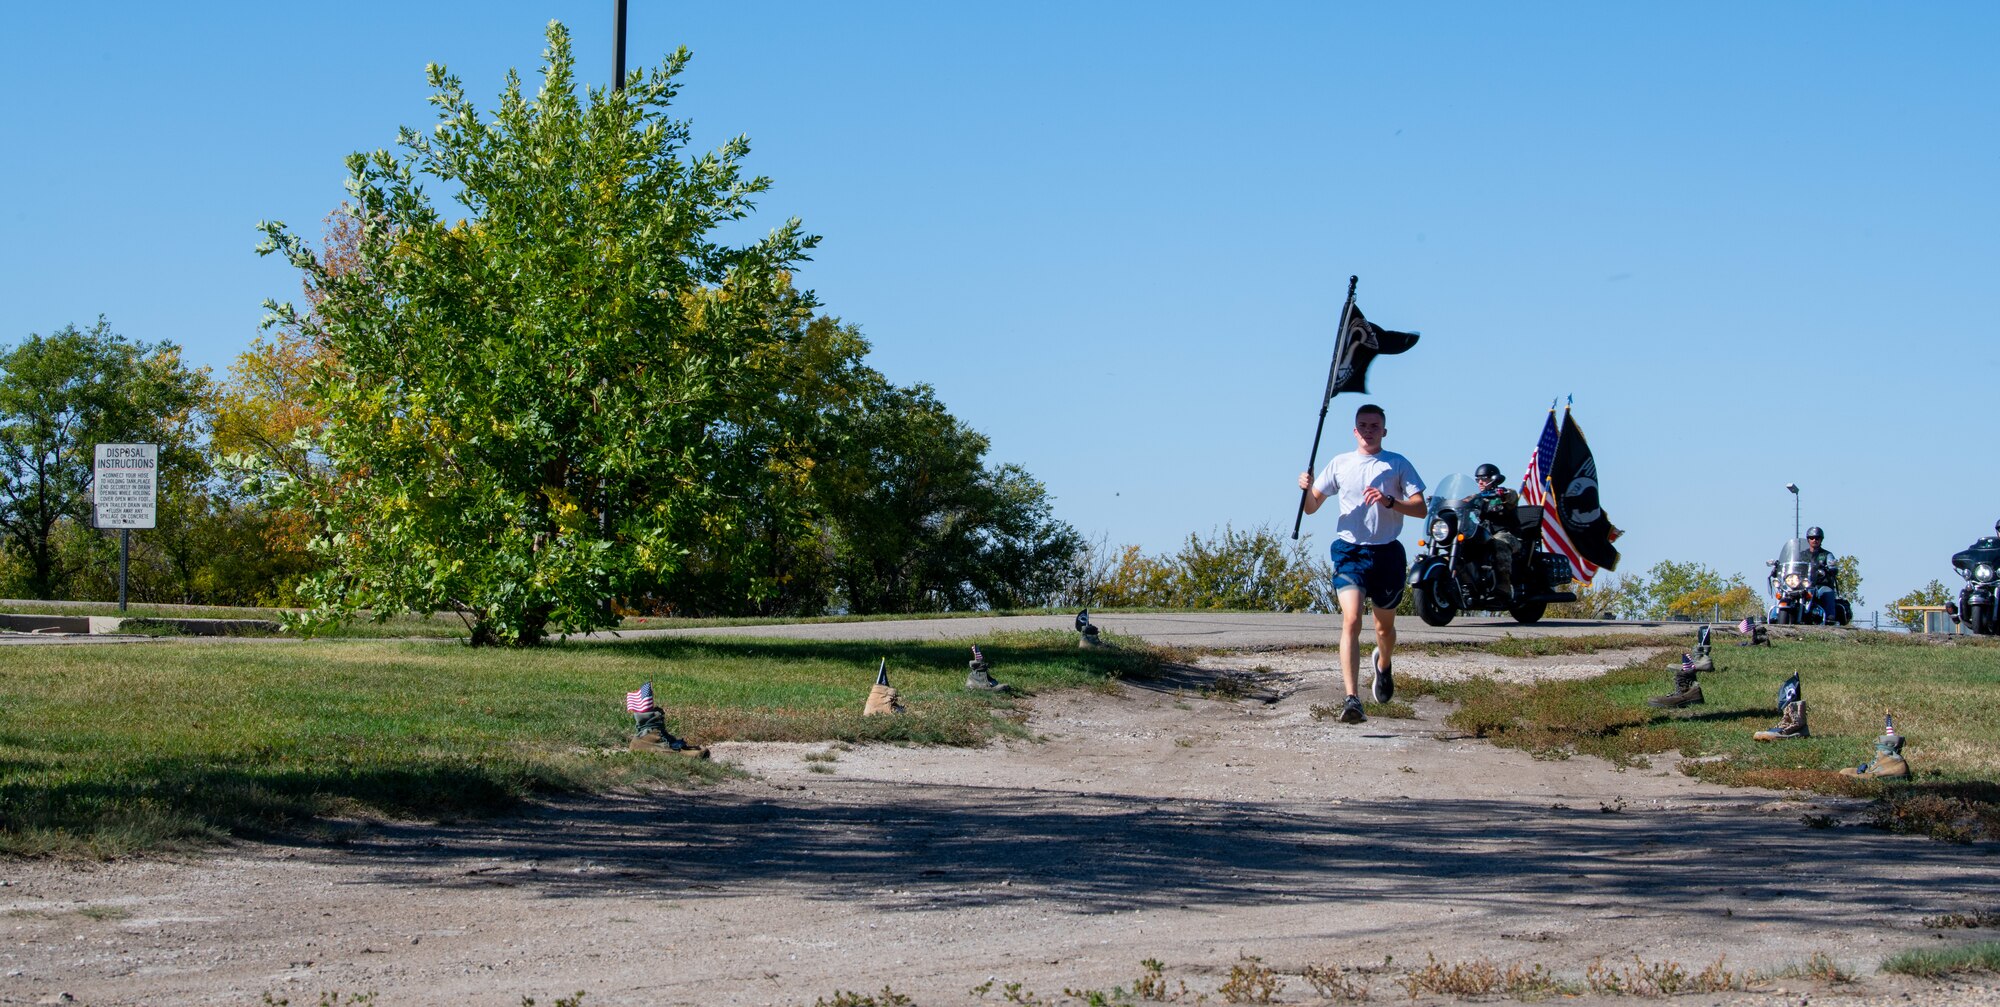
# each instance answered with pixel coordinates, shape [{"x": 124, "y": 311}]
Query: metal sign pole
[{"x": 124, "y": 562}]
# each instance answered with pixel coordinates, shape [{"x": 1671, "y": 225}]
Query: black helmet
[
  {"x": 1487, "y": 470},
  {"x": 1814, "y": 532}
]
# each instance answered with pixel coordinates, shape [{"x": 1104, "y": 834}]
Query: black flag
[
  {"x": 1573, "y": 478},
  {"x": 1359, "y": 346}
]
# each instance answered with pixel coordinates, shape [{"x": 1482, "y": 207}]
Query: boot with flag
[
  {"x": 651, "y": 727},
  {"x": 1791, "y": 714},
  {"x": 1087, "y": 633},
  {"x": 1888, "y": 763},
  {"x": 1687, "y": 691},
  {"x": 979, "y": 677},
  {"x": 881, "y": 698}
]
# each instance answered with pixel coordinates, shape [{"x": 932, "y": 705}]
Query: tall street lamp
[{"x": 1794, "y": 487}]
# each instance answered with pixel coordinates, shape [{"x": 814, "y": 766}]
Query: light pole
[
  {"x": 1794, "y": 487},
  {"x": 618, "y": 44}
]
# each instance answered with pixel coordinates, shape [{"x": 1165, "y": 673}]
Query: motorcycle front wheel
[
  {"x": 1433, "y": 610},
  {"x": 1528, "y": 613},
  {"x": 1979, "y": 619}
]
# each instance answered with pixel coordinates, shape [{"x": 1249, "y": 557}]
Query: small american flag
[
  {"x": 882, "y": 673},
  {"x": 1687, "y": 662},
  {"x": 976, "y": 655},
  {"x": 1744, "y": 627},
  {"x": 1889, "y": 724},
  {"x": 640, "y": 701}
]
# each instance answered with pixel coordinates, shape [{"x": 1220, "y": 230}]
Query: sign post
[{"x": 125, "y": 493}]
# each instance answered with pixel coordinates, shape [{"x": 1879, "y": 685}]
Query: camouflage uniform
[{"x": 1498, "y": 516}]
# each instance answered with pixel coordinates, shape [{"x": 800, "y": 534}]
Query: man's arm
[
  {"x": 1410, "y": 506},
  {"x": 1313, "y": 497}
]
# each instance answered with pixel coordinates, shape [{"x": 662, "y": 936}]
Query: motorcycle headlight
[
  {"x": 1983, "y": 571},
  {"x": 1792, "y": 580},
  {"x": 1440, "y": 530}
]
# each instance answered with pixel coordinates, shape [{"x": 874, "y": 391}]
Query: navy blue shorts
[{"x": 1377, "y": 570}]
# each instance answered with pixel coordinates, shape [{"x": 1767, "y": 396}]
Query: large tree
[
  {"x": 60, "y": 396},
  {"x": 526, "y": 411}
]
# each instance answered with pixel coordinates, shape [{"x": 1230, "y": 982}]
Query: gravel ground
[{"x": 1151, "y": 822}]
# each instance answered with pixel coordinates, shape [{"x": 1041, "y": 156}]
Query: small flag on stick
[
  {"x": 641, "y": 701},
  {"x": 882, "y": 673}
]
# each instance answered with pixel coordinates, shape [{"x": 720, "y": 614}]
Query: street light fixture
[{"x": 1794, "y": 487}]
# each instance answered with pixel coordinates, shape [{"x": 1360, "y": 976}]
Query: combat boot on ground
[
  {"x": 1791, "y": 724},
  {"x": 980, "y": 678},
  {"x": 1687, "y": 691},
  {"x": 653, "y": 736},
  {"x": 1888, "y": 763}
]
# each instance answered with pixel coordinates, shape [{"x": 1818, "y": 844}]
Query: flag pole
[{"x": 1332, "y": 373}]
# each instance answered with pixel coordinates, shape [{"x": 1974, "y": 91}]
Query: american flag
[
  {"x": 1535, "y": 492},
  {"x": 640, "y": 701}
]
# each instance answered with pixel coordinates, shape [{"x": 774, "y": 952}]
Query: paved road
[{"x": 1220, "y": 630}]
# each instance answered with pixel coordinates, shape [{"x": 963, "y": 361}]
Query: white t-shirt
[{"x": 1350, "y": 475}]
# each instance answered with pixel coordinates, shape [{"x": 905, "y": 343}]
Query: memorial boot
[
  {"x": 1888, "y": 763},
  {"x": 1792, "y": 724},
  {"x": 980, "y": 678},
  {"x": 1687, "y": 691}
]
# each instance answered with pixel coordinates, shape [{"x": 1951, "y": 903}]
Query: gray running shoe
[
  {"x": 1385, "y": 681},
  {"x": 1351, "y": 713}
]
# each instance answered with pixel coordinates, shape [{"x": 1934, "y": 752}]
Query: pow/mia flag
[
  {"x": 1573, "y": 484},
  {"x": 1359, "y": 346}
]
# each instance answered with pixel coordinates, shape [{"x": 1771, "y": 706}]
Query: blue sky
[{"x": 1756, "y": 243}]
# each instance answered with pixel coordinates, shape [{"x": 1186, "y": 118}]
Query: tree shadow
[{"x": 943, "y": 847}]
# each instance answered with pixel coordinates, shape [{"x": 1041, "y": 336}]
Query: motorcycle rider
[
  {"x": 1496, "y": 505},
  {"x": 1824, "y": 573}
]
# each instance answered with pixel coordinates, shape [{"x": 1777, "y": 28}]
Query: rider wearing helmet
[
  {"x": 1496, "y": 506},
  {"x": 1825, "y": 571}
]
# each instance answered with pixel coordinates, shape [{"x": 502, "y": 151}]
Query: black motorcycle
[
  {"x": 1978, "y": 565},
  {"x": 1453, "y": 568},
  {"x": 1795, "y": 580}
]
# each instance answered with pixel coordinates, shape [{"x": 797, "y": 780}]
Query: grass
[
  {"x": 113, "y": 750},
  {"x": 1939, "y": 693},
  {"x": 1981, "y": 957}
]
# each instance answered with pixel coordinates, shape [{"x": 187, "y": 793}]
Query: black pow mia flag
[
  {"x": 1573, "y": 478},
  {"x": 1359, "y": 346}
]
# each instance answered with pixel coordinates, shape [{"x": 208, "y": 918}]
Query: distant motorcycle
[
  {"x": 1979, "y": 565},
  {"x": 1453, "y": 568},
  {"x": 1795, "y": 582}
]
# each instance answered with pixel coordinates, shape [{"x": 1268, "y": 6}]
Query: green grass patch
[
  {"x": 1981, "y": 957},
  {"x": 112, "y": 750},
  {"x": 1940, "y": 693},
  {"x": 1510, "y": 645}
]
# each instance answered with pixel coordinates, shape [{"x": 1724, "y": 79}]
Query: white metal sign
[{"x": 127, "y": 485}]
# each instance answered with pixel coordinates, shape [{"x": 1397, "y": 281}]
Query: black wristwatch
[{"x": 1389, "y": 502}]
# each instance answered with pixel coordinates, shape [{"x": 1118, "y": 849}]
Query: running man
[{"x": 1377, "y": 489}]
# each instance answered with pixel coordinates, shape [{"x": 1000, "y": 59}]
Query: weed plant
[
  {"x": 1981, "y": 957},
  {"x": 112, "y": 750}
]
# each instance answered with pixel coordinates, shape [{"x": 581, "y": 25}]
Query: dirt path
[{"x": 1150, "y": 823}]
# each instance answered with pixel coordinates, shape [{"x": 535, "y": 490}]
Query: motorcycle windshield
[
  {"x": 1986, "y": 550},
  {"x": 1795, "y": 551},
  {"x": 1453, "y": 491}
]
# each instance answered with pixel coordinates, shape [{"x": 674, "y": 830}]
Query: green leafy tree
[
  {"x": 1694, "y": 591},
  {"x": 1933, "y": 593},
  {"x": 525, "y": 413},
  {"x": 60, "y": 396},
  {"x": 1255, "y": 570},
  {"x": 1847, "y": 580},
  {"x": 919, "y": 522}
]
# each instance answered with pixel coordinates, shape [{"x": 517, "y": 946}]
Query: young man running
[{"x": 1377, "y": 489}]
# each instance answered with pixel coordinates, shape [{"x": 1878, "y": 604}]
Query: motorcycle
[
  {"x": 1794, "y": 581},
  {"x": 1453, "y": 568},
  {"x": 1979, "y": 565}
]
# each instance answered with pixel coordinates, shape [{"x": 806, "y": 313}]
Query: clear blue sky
[{"x": 1757, "y": 242}]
